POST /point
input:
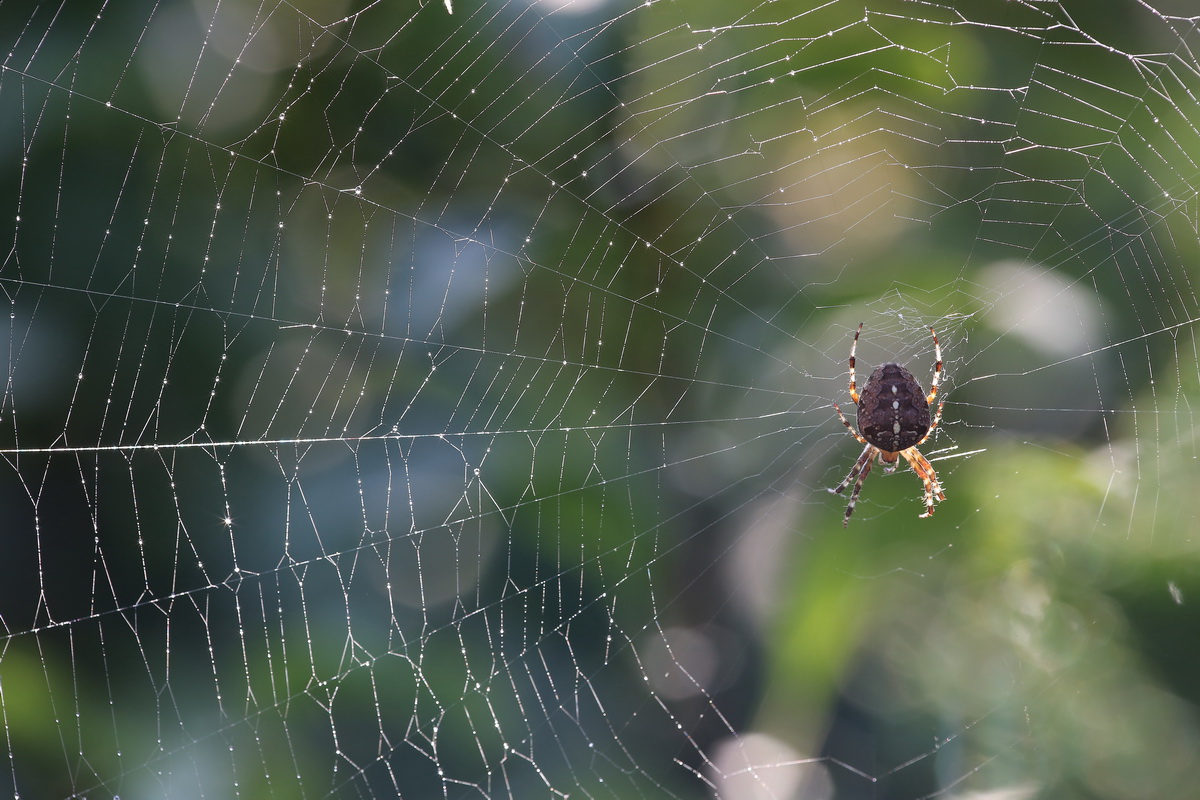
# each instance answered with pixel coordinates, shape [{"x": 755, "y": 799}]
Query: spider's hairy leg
[
  {"x": 937, "y": 372},
  {"x": 864, "y": 458},
  {"x": 849, "y": 427},
  {"x": 862, "y": 476},
  {"x": 859, "y": 470},
  {"x": 929, "y": 479},
  {"x": 937, "y": 417},
  {"x": 853, "y": 350}
]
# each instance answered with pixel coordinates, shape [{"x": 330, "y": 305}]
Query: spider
[{"x": 893, "y": 414}]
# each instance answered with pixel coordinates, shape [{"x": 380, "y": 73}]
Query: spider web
[{"x": 434, "y": 400}]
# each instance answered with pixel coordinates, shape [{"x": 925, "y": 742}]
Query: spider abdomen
[{"x": 893, "y": 413}]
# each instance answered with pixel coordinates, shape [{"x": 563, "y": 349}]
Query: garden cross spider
[{"x": 893, "y": 414}]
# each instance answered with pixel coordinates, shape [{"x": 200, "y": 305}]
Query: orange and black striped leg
[
  {"x": 937, "y": 370},
  {"x": 853, "y": 350},
  {"x": 937, "y": 417},
  {"x": 929, "y": 479},
  {"x": 859, "y": 471},
  {"x": 849, "y": 427}
]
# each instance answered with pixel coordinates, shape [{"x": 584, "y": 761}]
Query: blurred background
[{"x": 435, "y": 400}]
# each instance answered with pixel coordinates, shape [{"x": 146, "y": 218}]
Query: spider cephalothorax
[{"x": 893, "y": 415}]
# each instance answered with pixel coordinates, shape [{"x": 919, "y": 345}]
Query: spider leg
[
  {"x": 937, "y": 370},
  {"x": 925, "y": 472},
  {"x": 936, "y": 419},
  {"x": 853, "y": 350},
  {"x": 850, "y": 427},
  {"x": 863, "y": 458},
  {"x": 918, "y": 462},
  {"x": 859, "y": 471},
  {"x": 862, "y": 476}
]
